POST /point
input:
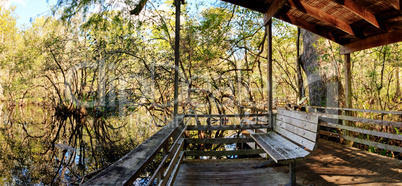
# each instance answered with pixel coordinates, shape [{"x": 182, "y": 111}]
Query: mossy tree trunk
[{"x": 311, "y": 66}]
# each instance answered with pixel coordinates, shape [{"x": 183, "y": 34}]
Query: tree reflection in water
[{"x": 44, "y": 145}]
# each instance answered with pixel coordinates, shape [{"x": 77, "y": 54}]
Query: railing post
[
  {"x": 348, "y": 94},
  {"x": 165, "y": 150},
  {"x": 268, "y": 29},
  {"x": 176, "y": 59},
  {"x": 160, "y": 175}
]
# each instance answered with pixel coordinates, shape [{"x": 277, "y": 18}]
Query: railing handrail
[
  {"x": 126, "y": 170},
  {"x": 360, "y": 130},
  {"x": 357, "y": 110},
  {"x": 362, "y": 120},
  {"x": 223, "y": 115}
]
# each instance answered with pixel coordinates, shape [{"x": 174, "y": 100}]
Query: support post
[
  {"x": 176, "y": 59},
  {"x": 348, "y": 93},
  {"x": 268, "y": 29},
  {"x": 292, "y": 174}
]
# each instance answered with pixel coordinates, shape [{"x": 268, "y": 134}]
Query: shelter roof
[{"x": 355, "y": 24}]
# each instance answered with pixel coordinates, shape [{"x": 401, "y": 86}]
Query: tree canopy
[{"x": 104, "y": 71}]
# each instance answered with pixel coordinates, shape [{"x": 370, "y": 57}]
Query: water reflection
[{"x": 40, "y": 144}]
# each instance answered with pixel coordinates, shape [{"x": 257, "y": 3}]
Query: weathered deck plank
[
  {"x": 227, "y": 172},
  {"x": 329, "y": 164},
  {"x": 341, "y": 165}
]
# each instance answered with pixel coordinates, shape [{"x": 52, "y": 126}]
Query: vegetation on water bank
[{"x": 107, "y": 81}]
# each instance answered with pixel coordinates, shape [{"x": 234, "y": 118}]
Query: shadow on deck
[{"x": 330, "y": 164}]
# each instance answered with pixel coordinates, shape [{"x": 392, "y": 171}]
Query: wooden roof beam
[
  {"x": 395, "y": 3},
  {"x": 273, "y": 10},
  {"x": 383, "y": 39},
  {"x": 285, "y": 16},
  {"x": 323, "y": 16},
  {"x": 359, "y": 11}
]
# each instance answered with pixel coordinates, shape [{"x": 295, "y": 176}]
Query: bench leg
[{"x": 292, "y": 174}]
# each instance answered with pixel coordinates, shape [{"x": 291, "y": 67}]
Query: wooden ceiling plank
[
  {"x": 360, "y": 11},
  {"x": 307, "y": 26},
  {"x": 395, "y": 3},
  {"x": 273, "y": 10},
  {"x": 321, "y": 15},
  {"x": 379, "y": 40}
]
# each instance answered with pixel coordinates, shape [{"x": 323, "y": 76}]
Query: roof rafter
[
  {"x": 379, "y": 40},
  {"x": 359, "y": 11},
  {"x": 376, "y": 27},
  {"x": 395, "y": 3},
  {"x": 284, "y": 15},
  {"x": 273, "y": 10},
  {"x": 323, "y": 16}
]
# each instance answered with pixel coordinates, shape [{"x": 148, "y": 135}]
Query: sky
[{"x": 27, "y": 9}]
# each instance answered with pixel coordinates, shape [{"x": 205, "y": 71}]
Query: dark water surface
[{"x": 41, "y": 145}]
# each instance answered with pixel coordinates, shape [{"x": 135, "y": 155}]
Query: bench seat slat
[
  {"x": 300, "y": 123},
  {"x": 298, "y": 131},
  {"x": 267, "y": 148},
  {"x": 293, "y": 133},
  {"x": 299, "y": 115},
  {"x": 279, "y": 148},
  {"x": 292, "y": 149},
  {"x": 295, "y": 138}
]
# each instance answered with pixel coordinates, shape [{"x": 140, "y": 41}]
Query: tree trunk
[
  {"x": 311, "y": 66},
  {"x": 300, "y": 89},
  {"x": 325, "y": 89}
]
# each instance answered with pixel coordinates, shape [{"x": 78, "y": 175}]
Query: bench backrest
[{"x": 300, "y": 127}]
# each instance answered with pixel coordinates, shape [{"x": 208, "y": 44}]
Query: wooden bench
[{"x": 293, "y": 137}]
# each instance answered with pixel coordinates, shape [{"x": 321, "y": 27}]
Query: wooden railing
[
  {"x": 361, "y": 129},
  {"x": 283, "y": 101},
  {"x": 126, "y": 170},
  {"x": 166, "y": 148},
  {"x": 314, "y": 108},
  {"x": 244, "y": 122},
  {"x": 175, "y": 155}
]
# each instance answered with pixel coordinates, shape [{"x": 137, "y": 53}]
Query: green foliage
[{"x": 117, "y": 64}]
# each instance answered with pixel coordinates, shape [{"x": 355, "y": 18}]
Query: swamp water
[{"x": 41, "y": 145}]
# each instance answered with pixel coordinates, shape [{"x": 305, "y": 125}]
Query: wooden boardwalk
[
  {"x": 228, "y": 172},
  {"x": 330, "y": 164}
]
